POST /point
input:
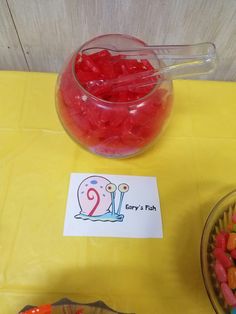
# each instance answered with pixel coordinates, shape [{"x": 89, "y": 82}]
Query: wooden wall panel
[
  {"x": 11, "y": 54},
  {"x": 51, "y": 29}
]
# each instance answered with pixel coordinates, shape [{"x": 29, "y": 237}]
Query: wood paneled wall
[{"x": 39, "y": 35}]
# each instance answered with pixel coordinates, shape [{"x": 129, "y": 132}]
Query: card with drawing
[{"x": 102, "y": 205}]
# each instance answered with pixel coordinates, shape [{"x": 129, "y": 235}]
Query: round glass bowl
[
  {"x": 218, "y": 220},
  {"x": 114, "y": 129}
]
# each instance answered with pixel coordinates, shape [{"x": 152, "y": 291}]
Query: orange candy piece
[
  {"x": 231, "y": 275},
  {"x": 231, "y": 244},
  {"x": 230, "y": 227}
]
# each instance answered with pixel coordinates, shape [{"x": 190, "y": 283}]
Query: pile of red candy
[
  {"x": 118, "y": 121},
  {"x": 104, "y": 67},
  {"x": 225, "y": 255}
]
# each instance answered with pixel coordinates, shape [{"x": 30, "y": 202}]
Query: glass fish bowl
[{"x": 114, "y": 123}]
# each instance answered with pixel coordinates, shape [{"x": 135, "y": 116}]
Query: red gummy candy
[
  {"x": 108, "y": 70},
  {"x": 220, "y": 272},
  {"x": 233, "y": 253},
  {"x": 228, "y": 294},
  {"x": 223, "y": 258},
  {"x": 101, "y": 55},
  {"x": 221, "y": 240},
  {"x": 88, "y": 63}
]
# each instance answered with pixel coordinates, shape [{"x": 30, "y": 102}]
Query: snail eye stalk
[
  {"x": 123, "y": 188},
  {"x": 111, "y": 188}
]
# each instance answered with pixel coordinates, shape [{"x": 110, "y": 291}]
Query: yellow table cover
[{"x": 195, "y": 165}]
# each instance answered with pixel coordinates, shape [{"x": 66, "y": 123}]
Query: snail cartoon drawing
[{"x": 96, "y": 196}]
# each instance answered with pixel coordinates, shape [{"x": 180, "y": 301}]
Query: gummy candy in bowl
[
  {"x": 218, "y": 255},
  {"x": 66, "y": 306},
  {"x": 113, "y": 123}
]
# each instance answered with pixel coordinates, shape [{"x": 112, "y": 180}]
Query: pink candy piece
[
  {"x": 223, "y": 258},
  {"x": 220, "y": 272},
  {"x": 229, "y": 297},
  {"x": 221, "y": 241}
]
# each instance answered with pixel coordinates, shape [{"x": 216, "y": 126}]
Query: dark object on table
[{"x": 67, "y": 306}]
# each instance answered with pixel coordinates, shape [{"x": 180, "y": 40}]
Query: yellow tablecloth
[{"x": 194, "y": 162}]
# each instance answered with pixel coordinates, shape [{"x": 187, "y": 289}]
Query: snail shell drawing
[{"x": 96, "y": 197}]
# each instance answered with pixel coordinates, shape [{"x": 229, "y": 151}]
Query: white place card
[{"x": 102, "y": 205}]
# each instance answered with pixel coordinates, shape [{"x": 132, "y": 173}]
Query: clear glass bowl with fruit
[{"x": 218, "y": 255}]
